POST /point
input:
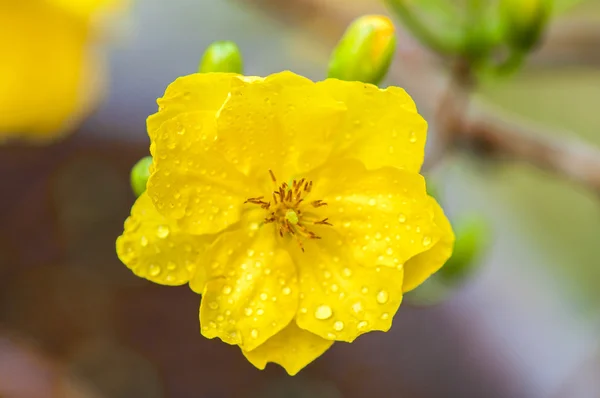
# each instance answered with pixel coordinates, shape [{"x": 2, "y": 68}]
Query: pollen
[{"x": 289, "y": 211}]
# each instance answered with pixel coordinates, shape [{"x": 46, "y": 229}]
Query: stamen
[{"x": 286, "y": 211}]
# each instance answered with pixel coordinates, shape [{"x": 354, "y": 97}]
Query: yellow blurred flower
[
  {"x": 295, "y": 208},
  {"x": 49, "y": 75}
]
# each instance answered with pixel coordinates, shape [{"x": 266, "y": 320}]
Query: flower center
[{"x": 289, "y": 211}]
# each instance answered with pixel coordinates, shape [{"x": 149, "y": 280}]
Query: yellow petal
[
  {"x": 381, "y": 127},
  {"x": 250, "y": 287},
  {"x": 196, "y": 92},
  {"x": 384, "y": 216},
  {"x": 192, "y": 183},
  {"x": 156, "y": 249},
  {"x": 280, "y": 123},
  {"x": 45, "y": 84},
  {"x": 342, "y": 299},
  {"x": 351, "y": 279},
  {"x": 292, "y": 348},
  {"x": 420, "y": 267}
]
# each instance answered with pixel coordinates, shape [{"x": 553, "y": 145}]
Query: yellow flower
[
  {"x": 49, "y": 76},
  {"x": 295, "y": 208}
]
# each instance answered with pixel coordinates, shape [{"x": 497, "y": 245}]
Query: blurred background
[{"x": 75, "y": 322}]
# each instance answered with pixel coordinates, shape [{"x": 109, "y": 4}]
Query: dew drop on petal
[
  {"x": 357, "y": 307},
  {"x": 412, "y": 138},
  {"x": 382, "y": 297},
  {"x": 401, "y": 218},
  {"x": 144, "y": 241},
  {"x": 254, "y": 333},
  {"x": 372, "y": 202},
  {"x": 264, "y": 296},
  {"x": 248, "y": 311},
  {"x": 260, "y": 311},
  {"x": 286, "y": 290},
  {"x": 364, "y": 290},
  {"x": 347, "y": 272},
  {"x": 171, "y": 266},
  {"x": 323, "y": 312},
  {"x": 213, "y": 305},
  {"x": 226, "y": 289},
  {"x": 162, "y": 231},
  {"x": 338, "y": 325},
  {"x": 362, "y": 325},
  {"x": 426, "y": 241},
  {"x": 154, "y": 270},
  {"x": 385, "y": 316}
]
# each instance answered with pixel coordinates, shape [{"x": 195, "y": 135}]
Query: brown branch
[{"x": 487, "y": 132}]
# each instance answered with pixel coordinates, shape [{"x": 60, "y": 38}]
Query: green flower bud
[
  {"x": 140, "y": 174},
  {"x": 222, "y": 56},
  {"x": 524, "y": 21},
  {"x": 472, "y": 237},
  {"x": 365, "y": 51}
]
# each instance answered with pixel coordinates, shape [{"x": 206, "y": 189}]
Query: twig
[{"x": 484, "y": 131}]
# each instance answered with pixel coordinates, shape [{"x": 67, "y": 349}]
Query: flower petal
[
  {"x": 280, "y": 123},
  {"x": 340, "y": 299},
  {"x": 351, "y": 279},
  {"x": 196, "y": 92},
  {"x": 420, "y": 267},
  {"x": 292, "y": 348},
  {"x": 192, "y": 183},
  {"x": 156, "y": 249},
  {"x": 250, "y": 287},
  {"x": 382, "y": 127},
  {"x": 384, "y": 217}
]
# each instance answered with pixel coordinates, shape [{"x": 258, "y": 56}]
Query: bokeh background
[{"x": 74, "y": 322}]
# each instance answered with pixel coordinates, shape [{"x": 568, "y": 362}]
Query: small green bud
[
  {"x": 140, "y": 174},
  {"x": 222, "y": 56},
  {"x": 472, "y": 236},
  {"x": 365, "y": 51},
  {"x": 524, "y": 21}
]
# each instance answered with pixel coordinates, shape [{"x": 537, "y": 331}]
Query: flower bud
[
  {"x": 222, "y": 56},
  {"x": 524, "y": 21},
  {"x": 472, "y": 237},
  {"x": 140, "y": 174},
  {"x": 365, "y": 51}
]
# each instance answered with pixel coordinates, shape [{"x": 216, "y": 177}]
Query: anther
[{"x": 272, "y": 176}]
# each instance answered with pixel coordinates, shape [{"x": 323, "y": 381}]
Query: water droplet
[
  {"x": 154, "y": 270},
  {"x": 264, "y": 296},
  {"x": 347, "y": 272},
  {"x": 260, "y": 311},
  {"x": 426, "y": 241},
  {"x": 412, "y": 138},
  {"x": 364, "y": 290},
  {"x": 250, "y": 252},
  {"x": 389, "y": 251},
  {"x": 362, "y": 325},
  {"x": 357, "y": 307},
  {"x": 338, "y": 325},
  {"x": 401, "y": 217},
  {"x": 286, "y": 290},
  {"x": 385, "y": 316},
  {"x": 212, "y": 324},
  {"x": 372, "y": 202},
  {"x": 382, "y": 297},
  {"x": 213, "y": 305},
  {"x": 323, "y": 312},
  {"x": 249, "y": 277},
  {"x": 254, "y": 333},
  {"x": 162, "y": 231},
  {"x": 248, "y": 311},
  {"x": 171, "y": 266},
  {"x": 226, "y": 289},
  {"x": 144, "y": 241},
  {"x": 334, "y": 288}
]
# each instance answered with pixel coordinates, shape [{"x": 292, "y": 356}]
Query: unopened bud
[
  {"x": 365, "y": 51},
  {"x": 524, "y": 21},
  {"x": 140, "y": 174},
  {"x": 222, "y": 56}
]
